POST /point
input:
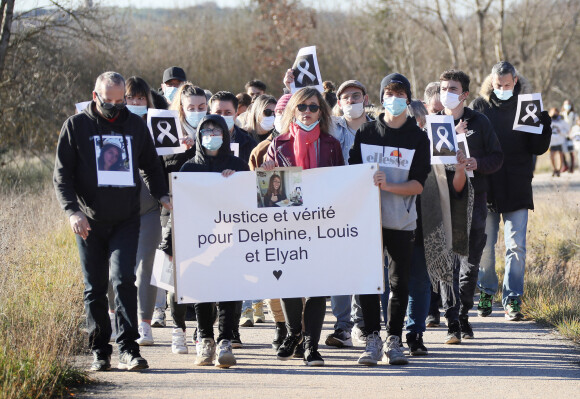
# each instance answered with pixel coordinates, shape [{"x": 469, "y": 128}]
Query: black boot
[
  {"x": 311, "y": 355},
  {"x": 281, "y": 333}
]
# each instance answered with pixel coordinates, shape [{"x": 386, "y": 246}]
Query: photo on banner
[
  {"x": 441, "y": 131},
  {"x": 114, "y": 161},
  {"x": 165, "y": 130},
  {"x": 462, "y": 145},
  {"x": 528, "y": 113},
  {"x": 306, "y": 70},
  {"x": 281, "y": 187},
  {"x": 231, "y": 250}
]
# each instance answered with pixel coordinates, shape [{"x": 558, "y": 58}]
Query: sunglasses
[
  {"x": 108, "y": 106},
  {"x": 311, "y": 107},
  {"x": 269, "y": 112}
]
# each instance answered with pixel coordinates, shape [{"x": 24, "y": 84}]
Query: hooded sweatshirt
[
  {"x": 403, "y": 154},
  {"x": 510, "y": 188},
  {"x": 75, "y": 169}
]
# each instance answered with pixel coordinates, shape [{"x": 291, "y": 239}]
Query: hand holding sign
[{"x": 528, "y": 113}]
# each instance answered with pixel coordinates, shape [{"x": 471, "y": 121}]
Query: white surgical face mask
[
  {"x": 230, "y": 120},
  {"x": 267, "y": 123},
  {"x": 503, "y": 95},
  {"x": 449, "y": 100},
  {"x": 278, "y": 123},
  {"x": 137, "y": 109},
  {"x": 193, "y": 118},
  {"x": 353, "y": 111}
]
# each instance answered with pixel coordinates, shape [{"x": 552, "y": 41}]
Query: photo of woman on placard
[
  {"x": 275, "y": 192},
  {"x": 111, "y": 157}
]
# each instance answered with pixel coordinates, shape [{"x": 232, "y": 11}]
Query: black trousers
[
  {"x": 399, "y": 244},
  {"x": 226, "y": 319},
  {"x": 314, "y": 309}
]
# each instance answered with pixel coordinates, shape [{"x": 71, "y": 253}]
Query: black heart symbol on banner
[{"x": 277, "y": 274}]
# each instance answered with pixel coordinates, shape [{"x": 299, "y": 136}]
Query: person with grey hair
[
  {"x": 431, "y": 98},
  {"x": 103, "y": 210},
  {"x": 418, "y": 111},
  {"x": 510, "y": 188}
]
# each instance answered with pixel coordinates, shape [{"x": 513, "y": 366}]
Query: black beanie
[{"x": 395, "y": 78}]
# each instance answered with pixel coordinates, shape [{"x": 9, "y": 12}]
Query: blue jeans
[
  {"x": 115, "y": 247},
  {"x": 419, "y": 292},
  {"x": 346, "y": 309},
  {"x": 248, "y": 304},
  {"x": 515, "y": 227}
]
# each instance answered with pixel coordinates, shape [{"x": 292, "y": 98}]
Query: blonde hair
[
  {"x": 298, "y": 98},
  {"x": 187, "y": 89},
  {"x": 254, "y": 114}
]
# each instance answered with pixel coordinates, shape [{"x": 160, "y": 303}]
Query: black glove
[{"x": 545, "y": 118}]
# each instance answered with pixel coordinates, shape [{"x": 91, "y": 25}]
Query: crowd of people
[{"x": 439, "y": 226}]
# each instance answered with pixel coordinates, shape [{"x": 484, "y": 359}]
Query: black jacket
[
  {"x": 246, "y": 142},
  {"x": 205, "y": 163},
  {"x": 510, "y": 188},
  {"x": 75, "y": 169},
  {"x": 483, "y": 146}
]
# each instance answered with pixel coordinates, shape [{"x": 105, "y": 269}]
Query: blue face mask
[
  {"x": 212, "y": 143},
  {"x": 503, "y": 95},
  {"x": 138, "y": 109},
  {"x": 395, "y": 105},
  {"x": 229, "y": 121},
  {"x": 306, "y": 128},
  {"x": 193, "y": 118},
  {"x": 169, "y": 93}
]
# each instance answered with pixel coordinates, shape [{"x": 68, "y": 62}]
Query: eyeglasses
[
  {"x": 269, "y": 112},
  {"x": 108, "y": 106},
  {"x": 311, "y": 107},
  {"x": 354, "y": 97},
  {"x": 216, "y": 131}
]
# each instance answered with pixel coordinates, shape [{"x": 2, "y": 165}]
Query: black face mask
[{"x": 109, "y": 110}]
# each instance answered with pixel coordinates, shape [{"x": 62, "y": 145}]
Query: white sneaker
[
  {"x": 114, "y": 334},
  {"x": 225, "y": 356},
  {"x": 373, "y": 351},
  {"x": 358, "y": 335},
  {"x": 247, "y": 318},
  {"x": 145, "y": 334},
  {"x": 158, "y": 319},
  {"x": 393, "y": 352},
  {"x": 205, "y": 352},
  {"x": 178, "y": 342}
]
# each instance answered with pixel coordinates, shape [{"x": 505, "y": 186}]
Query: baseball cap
[{"x": 174, "y": 72}]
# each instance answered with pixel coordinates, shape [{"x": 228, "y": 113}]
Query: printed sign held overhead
[{"x": 306, "y": 70}]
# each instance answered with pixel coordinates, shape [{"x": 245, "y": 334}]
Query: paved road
[
  {"x": 506, "y": 359},
  {"x": 545, "y": 183}
]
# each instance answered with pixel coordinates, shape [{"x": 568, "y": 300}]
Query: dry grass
[{"x": 40, "y": 290}]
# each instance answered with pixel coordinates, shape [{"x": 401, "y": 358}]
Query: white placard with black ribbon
[
  {"x": 306, "y": 70},
  {"x": 165, "y": 130},
  {"x": 528, "y": 113},
  {"x": 441, "y": 131}
]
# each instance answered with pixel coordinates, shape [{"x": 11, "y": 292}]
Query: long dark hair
[
  {"x": 117, "y": 166},
  {"x": 271, "y": 191},
  {"x": 136, "y": 86}
]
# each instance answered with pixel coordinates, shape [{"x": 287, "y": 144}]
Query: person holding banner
[
  {"x": 104, "y": 213},
  {"x": 401, "y": 149},
  {"x": 304, "y": 141},
  {"x": 486, "y": 158},
  {"x": 213, "y": 155},
  {"x": 510, "y": 188}
]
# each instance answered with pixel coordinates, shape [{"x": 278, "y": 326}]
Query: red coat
[{"x": 281, "y": 150}]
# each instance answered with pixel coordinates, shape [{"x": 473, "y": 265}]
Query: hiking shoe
[
  {"x": 145, "y": 335},
  {"x": 281, "y": 333},
  {"x": 433, "y": 320},
  {"x": 393, "y": 351},
  {"x": 485, "y": 304},
  {"x": 312, "y": 357},
  {"x": 513, "y": 310},
  {"x": 286, "y": 350},
  {"x": 158, "y": 319},
  {"x": 259, "y": 316},
  {"x": 465, "y": 327},
  {"x": 339, "y": 338},
  {"x": 132, "y": 360},
  {"x": 415, "y": 344},
  {"x": 247, "y": 319},
  {"x": 236, "y": 341},
  {"x": 373, "y": 350},
  {"x": 359, "y": 335},
  {"x": 225, "y": 356},
  {"x": 205, "y": 349},
  {"x": 453, "y": 333},
  {"x": 178, "y": 342},
  {"x": 101, "y": 362},
  {"x": 114, "y": 334}
]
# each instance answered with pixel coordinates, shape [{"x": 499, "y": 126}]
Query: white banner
[{"x": 303, "y": 233}]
